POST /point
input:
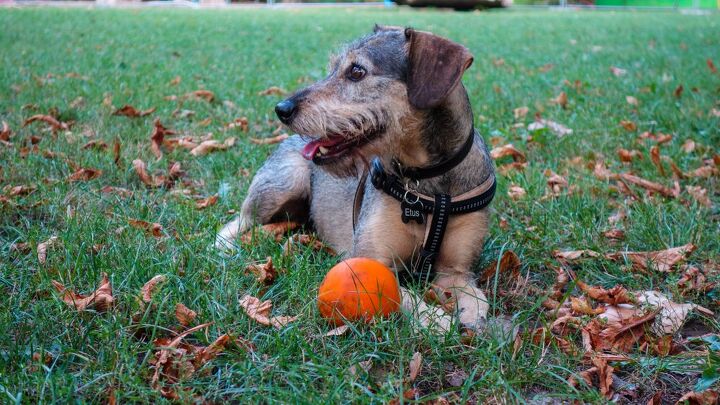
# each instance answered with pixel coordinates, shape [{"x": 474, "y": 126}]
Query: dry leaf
[
  {"x": 277, "y": 230},
  {"x": 340, "y": 330},
  {"x": 43, "y": 247},
  {"x": 556, "y": 128},
  {"x": 700, "y": 195},
  {"x": 148, "y": 290},
  {"x": 678, "y": 91},
  {"x": 560, "y": 100},
  {"x": 628, "y": 155},
  {"x": 95, "y": 144},
  {"x": 507, "y": 150},
  {"x": 174, "y": 173},
  {"x": 650, "y": 185},
  {"x": 520, "y": 112},
  {"x": 672, "y": 315},
  {"x": 306, "y": 240},
  {"x": 614, "y": 296},
  {"x": 54, "y": 124},
  {"x": 705, "y": 172},
  {"x": 509, "y": 262},
  {"x": 100, "y": 300},
  {"x": 415, "y": 366},
  {"x": 581, "y": 307},
  {"x": 17, "y": 191},
  {"x": 212, "y": 145},
  {"x": 655, "y": 158},
  {"x": 206, "y": 95},
  {"x": 132, "y": 112},
  {"x": 688, "y": 146},
  {"x": 617, "y": 234},
  {"x": 20, "y": 247},
  {"x": 573, "y": 255},
  {"x": 631, "y": 100},
  {"x": 206, "y": 202},
  {"x": 122, "y": 192},
  {"x": 694, "y": 280},
  {"x": 157, "y": 136},
  {"x": 264, "y": 273},
  {"x": 269, "y": 141},
  {"x": 272, "y": 91},
  {"x": 151, "y": 228},
  {"x": 707, "y": 397},
  {"x": 85, "y": 174},
  {"x": 711, "y": 65},
  {"x": 241, "y": 123},
  {"x": 5, "y": 132},
  {"x": 661, "y": 260},
  {"x": 259, "y": 311},
  {"x": 628, "y": 125},
  {"x": 516, "y": 192},
  {"x": 184, "y": 315},
  {"x": 175, "y": 81},
  {"x": 618, "y": 71}
]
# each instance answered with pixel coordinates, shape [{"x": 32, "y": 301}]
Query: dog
[{"x": 396, "y": 96}]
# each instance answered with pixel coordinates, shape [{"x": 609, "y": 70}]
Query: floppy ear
[{"x": 435, "y": 67}]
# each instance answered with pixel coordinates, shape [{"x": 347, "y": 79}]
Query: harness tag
[{"x": 412, "y": 211}]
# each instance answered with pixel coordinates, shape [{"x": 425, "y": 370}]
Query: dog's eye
[{"x": 355, "y": 73}]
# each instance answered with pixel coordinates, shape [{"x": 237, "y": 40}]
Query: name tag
[{"x": 412, "y": 212}]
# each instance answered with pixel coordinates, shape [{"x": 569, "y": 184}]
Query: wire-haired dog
[{"x": 395, "y": 95}]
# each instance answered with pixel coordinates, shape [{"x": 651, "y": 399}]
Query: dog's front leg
[{"x": 470, "y": 302}]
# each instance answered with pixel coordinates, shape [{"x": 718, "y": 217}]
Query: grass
[{"x": 131, "y": 56}]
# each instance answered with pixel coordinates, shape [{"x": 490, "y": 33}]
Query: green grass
[{"x": 133, "y": 55}]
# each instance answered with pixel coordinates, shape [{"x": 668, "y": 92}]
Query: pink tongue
[{"x": 311, "y": 148}]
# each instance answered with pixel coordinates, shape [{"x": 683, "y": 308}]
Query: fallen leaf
[
  {"x": 151, "y": 228},
  {"x": 616, "y": 234},
  {"x": 85, "y": 174},
  {"x": 21, "y": 190},
  {"x": 707, "y": 397},
  {"x": 131, "y": 112},
  {"x": 340, "y": 330},
  {"x": 618, "y": 72},
  {"x": 672, "y": 315},
  {"x": 650, "y": 185},
  {"x": 259, "y": 311},
  {"x": 20, "y": 247},
  {"x": 148, "y": 290},
  {"x": 688, "y": 146},
  {"x": 212, "y": 145},
  {"x": 101, "y": 299},
  {"x": 509, "y": 262},
  {"x": 206, "y": 202},
  {"x": 655, "y": 158},
  {"x": 628, "y": 155},
  {"x": 520, "y": 112},
  {"x": 272, "y": 91},
  {"x": 269, "y": 141},
  {"x": 631, "y": 100},
  {"x": 516, "y": 192},
  {"x": 582, "y": 307},
  {"x": 711, "y": 65},
  {"x": 95, "y": 144},
  {"x": 661, "y": 260},
  {"x": 43, "y": 247},
  {"x": 507, "y": 150},
  {"x": 614, "y": 296},
  {"x": 206, "y": 95},
  {"x": 694, "y": 280},
  {"x": 241, "y": 123},
  {"x": 305, "y": 240},
  {"x": 557, "y": 128},
  {"x": 157, "y": 136},
  {"x": 264, "y": 273},
  {"x": 5, "y": 132},
  {"x": 184, "y": 315},
  {"x": 54, "y": 124},
  {"x": 628, "y": 125},
  {"x": 560, "y": 100},
  {"x": 122, "y": 192},
  {"x": 175, "y": 81},
  {"x": 574, "y": 255},
  {"x": 415, "y": 366},
  {"x": 678, "y": 91},
  {"x": 174, "y": 173},
  {"x": 705, "y": 172},
  {"x": 556, "y": 183},
  {"x": 276, "y": 230},
  {"x": 700, "y": 195}
]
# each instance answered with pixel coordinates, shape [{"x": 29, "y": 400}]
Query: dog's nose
[{"x": 285, "y": 110}]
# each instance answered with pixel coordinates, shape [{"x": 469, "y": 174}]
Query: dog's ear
[{"x": 435, "y": 67}]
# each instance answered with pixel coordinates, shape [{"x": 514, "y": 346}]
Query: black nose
[{"x": 285, "y": 110}]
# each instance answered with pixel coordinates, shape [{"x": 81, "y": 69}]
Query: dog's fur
[{"x": 412, "y": 102}]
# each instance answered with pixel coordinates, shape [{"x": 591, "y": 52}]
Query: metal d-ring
[{"x": 407, "y": 191}]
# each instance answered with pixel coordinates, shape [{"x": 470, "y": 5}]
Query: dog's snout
[{"x": 285, "y": 110}]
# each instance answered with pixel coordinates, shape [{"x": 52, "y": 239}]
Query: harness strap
[{"x": 431, "y": 249}]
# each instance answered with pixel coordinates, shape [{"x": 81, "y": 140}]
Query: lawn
[{"x": 81, "y": 65}]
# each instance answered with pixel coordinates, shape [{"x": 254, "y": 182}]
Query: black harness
[{"x": 414, "y": 206}]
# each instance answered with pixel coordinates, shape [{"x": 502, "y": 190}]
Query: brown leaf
[
  {"x": 264, "y": 273},
  {"x": 705, "y": 172},
  {"x": 175, "y": 81},
  {"x": 520, "y": 112},
  {"x": 151, "y": 228},
  {"x": 711, "y": 65},
  {"x": 85, "y": 174},
  {"x": 148, "y": 289},
  {"x": 605, "y": 376},
  {"x": 206, "y": 95},
  {"x": 211, "y": 145},
  {"x": 688, "y": 146},
  {"x": 707, "y": 397},
  {"x": 54, "y": 124},
  {"x": 184, "y": 315},
  {"x": 631, "y": 100},
  {"x": 122, "y": 192},
  {"x": 582, "y": 307},
  {"x": 561, "y": 280},
  {"x": 43, "y": 247},
  {"x": 671, "y": 315},
  {"x": 628, "y": 125},
  {"x": 206, "y": 202},
  {"x": 678, "y": 91},
  {"x": 305, "y": 240},
  {"x": 101, "y": 299},
  {"x": 617, "y": 234},
  {"x": 21, "y": 190},
  {"x": 174, "y": 173},
  {"x": 5, "y": 132},
  {"x": 132, "y": 112},
  {"x": 509, "y": 262},
  {"x": 277, "y": 230},
  {"x": 694, "y": 280},
  {"x": 272, "y": 91},
  {"x": 259, "y": 311},
  {"x": 661, "y": 260},
  {"x": 614, "y": 296},
  {"x": 699, "y": 194},
  {"x": 507, "y": 150},
  {"x": 340, "y": 330},
  {"x": 157, "y": 136},
  {"x": 241, "y": 123},
  {"x": 415, "y": 366},
  {"x": 20, "y": 247},
  {"x": 95, "y": 144},
  {"x": 574, "y": 255},
  {"x": 560, "y": 100},
  {"x": 516, "y": 192},
  {"x": 269, "y": 141},
  {"x": 650, "y": 186}
]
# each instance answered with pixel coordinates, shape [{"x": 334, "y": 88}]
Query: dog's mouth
[{"x": 333, "y": 147}]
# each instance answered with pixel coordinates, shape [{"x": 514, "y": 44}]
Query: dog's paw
[{"x": 225, "y": 238}]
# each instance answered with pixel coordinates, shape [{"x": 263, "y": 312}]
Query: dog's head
[{"x": 376, "y": 93}]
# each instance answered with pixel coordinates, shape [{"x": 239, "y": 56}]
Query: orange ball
[{"x": 358, "y": 289}]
